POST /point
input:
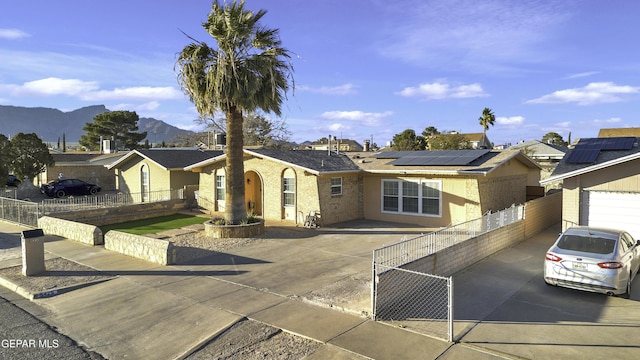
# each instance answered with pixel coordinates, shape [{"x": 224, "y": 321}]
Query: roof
[
  {"x": 618, "y": 132},
  {"x": 314, "y": 161},
  {"x": 73, "y": 157},
  {"x": 481, "y": 162},
  {"x": 169, "y": 158},
  {"x": 603, "y": 159},
  {"x": 538, "y": 149}
]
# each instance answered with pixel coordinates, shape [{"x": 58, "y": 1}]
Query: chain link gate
[{"x": 402, "y": 295}]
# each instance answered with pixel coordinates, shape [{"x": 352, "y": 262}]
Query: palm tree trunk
[{"x": 235, "y": 210}]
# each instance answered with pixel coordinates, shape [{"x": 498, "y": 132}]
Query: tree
[
  {"x": 119, "y": 126},
  {"x": 428, "y": 133},
  {"x": 408, "y": 141},
  {"x": 248, "y": 70},
  {"x": 29, "y": 155},
  {"x": 453, "y": 141},
  {"x": 259, "y": 130},
  {"x": 487, "y": 119},
  {"x": 553, "y": 138},
  {"x": 5, "y": 159}
]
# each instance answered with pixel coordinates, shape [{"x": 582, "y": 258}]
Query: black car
[
  {"x": 64, "y": 187},
  {"x": 12, "y": 180}
]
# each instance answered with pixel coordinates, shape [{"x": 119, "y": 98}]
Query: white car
[{"x": 593, "y": 259}]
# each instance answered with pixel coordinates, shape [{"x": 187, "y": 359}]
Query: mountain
[{"x": 50, "y": 124}]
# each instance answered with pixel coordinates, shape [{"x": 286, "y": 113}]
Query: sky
[{"x": 363, "y": 69}]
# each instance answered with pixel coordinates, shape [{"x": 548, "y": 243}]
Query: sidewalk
[{"x": 165, "y": 312}]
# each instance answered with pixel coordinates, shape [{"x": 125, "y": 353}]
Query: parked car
[
  {"x": 64, "y": 187},
  {"x": 593, "y": 259},
  {"x": 12, "y": 180}
]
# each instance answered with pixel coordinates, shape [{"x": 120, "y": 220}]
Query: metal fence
[
  {"x": 74, "y": 203},
  {"x": 20, "y": 211},
  {"x": 28, "y": 212},
  {"x": 409, "y": 296}
]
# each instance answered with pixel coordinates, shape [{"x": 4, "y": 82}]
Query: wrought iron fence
[
  {"x": 20, "y": 211},
  {"x": 408, "y": 250},
  {"x": 74, "y": 203},
  {"x": 28, "y": 212},
  {"x": 404, "y": 295}
]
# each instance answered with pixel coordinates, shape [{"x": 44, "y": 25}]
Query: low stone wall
[
  {"x": 113, "y": 215},
  {"x": 233, "y": 231},
  {"x": 153, "y": 250},
  {"x": 84, "y": 233}
]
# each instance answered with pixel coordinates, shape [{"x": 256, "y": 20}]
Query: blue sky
[{"x": 364, "y": 69}]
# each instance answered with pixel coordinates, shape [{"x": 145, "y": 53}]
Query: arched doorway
[
  {"x": 253, "y": 192},
  {"x": 144, "y": 183}
]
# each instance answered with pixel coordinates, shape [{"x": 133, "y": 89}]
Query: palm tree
[
  {"x": 487, "y": 119},
  {"x": 248, "y": 70}
]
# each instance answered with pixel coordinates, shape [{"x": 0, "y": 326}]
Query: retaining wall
[
  {"x": 153, "y": 250},
  {"x": 113, "y": 215},
  {"x": 84, "y": 233}
]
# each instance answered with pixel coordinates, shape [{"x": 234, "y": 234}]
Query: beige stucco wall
[
  {"x": 264, "y": 190},
  {"x": 128, "y": 176},
  {"x": 623, "y": 177}
]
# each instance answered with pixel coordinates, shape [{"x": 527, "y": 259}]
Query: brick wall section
[
  {"x": 541, "y": 213},
  {"x": 84, "y": 233},
  {"x": 153, "y": 250}
]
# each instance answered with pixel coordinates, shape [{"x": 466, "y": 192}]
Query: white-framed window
[
  {"x": 220, "y": 186},
  {"x": 414, "y": 197},
  {"x": 336, "y": 186},
  {"x": 288, "y": 191}
]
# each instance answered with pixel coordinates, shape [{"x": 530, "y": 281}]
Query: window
[
  {"x": 289, "y": 191},
  {"x": 220, "y": 187},
  {"x": 336, "y": 186},
  {"x": 419, "y": 197}
]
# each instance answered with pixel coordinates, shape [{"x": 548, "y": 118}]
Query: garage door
[{"x": 617, "y": 210}]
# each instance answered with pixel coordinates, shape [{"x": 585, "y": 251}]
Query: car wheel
[
  {"x": 93, "y": 191},
  {"x": 60, "y": 193}
]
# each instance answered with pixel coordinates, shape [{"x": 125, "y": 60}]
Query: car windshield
[{"x": 588, "y": 244}]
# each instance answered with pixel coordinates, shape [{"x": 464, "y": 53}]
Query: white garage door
[{"x": 616, "y": 210}]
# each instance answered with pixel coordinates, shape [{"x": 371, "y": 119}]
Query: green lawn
[{"x": 154, "y": 225}]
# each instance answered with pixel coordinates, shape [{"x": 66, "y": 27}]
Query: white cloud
[
  {"x": 512, "y": 120},
  {"x": 581, "y": 75},
  {"x": 140, "y": 93},
  {"x": 346, "y": 89},
  {"x": 364, "y": 118},
  {"x": 439, "y": 90},
  {"x": 55, "y": 86},
  {"x": 593, "y": 93},
  {"x": 12, "y": 34}
]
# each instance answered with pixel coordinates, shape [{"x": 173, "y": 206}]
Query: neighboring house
[
  {"x": 547, "y": 155},
  {"x": 601, "y": 184},
  {"x": 89, "y": 167},
  {"x": 441, "y": 188},
  {"x": 285, "y": 185},
  {"x": 426, "y": 188},
  {"x": 478, "y": 140},
  {"x": 619, "y": 132},
  {"x": 341, "y": 145},
  {"x": 146, "y": 170}
]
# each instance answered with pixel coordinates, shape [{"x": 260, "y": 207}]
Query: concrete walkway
[{"x": 165, "y": 312}]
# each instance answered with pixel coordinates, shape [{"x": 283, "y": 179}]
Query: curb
[{"x": 49, "y": 293}]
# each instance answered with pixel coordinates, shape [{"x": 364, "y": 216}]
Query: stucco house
[
  {"x": 89, "y": 167},
  {"x": 339, "y": 145},
  {"x": 478, "y": 140},
  {"x": 441, "y": 188},
  {"x": 601, "y": 184},
  {"x": 547, "y": 155},
  {"x": 427, "y": 188},
  {"x": 285, "y": 185},
  {"x": 158, "y": 169}
]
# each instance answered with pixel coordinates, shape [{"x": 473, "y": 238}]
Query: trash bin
[{"x": 33, "y": 252}]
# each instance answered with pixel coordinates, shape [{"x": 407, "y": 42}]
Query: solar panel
[
  {"x": 620, "y": 143},
  {"x": 439, "y": 158},
  {"x": 582, "y": 156}
]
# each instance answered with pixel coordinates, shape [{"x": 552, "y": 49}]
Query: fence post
[
  {"x": 373, "y": 287},
  {"x": 451, "y": 309}
]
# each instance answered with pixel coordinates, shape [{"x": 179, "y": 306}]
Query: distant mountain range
[{"x": 51, "y": 124}]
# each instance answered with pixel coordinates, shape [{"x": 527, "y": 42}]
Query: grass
[{"x": 154, "y": 225}]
